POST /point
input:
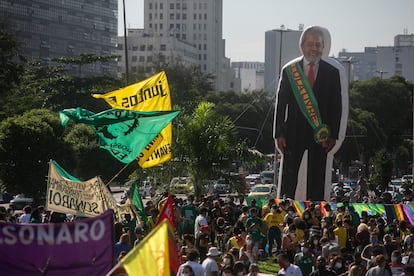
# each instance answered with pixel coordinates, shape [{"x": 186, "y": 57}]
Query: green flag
[
  {"x": 136, "y": 201},
  {"x": 124, "y": 133}
]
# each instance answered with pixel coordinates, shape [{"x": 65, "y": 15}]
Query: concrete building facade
[
  {"x": 186, "y": 24},
  {"x": 384, "y": 61},
  {"x": 55, "y": 29},
  {"x": 250, "y": 76},
  {"x": 281, "y": 46}
]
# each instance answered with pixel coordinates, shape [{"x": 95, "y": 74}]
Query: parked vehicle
[
  {"x": 267, "y": 177},
  {"x": 180, "y": 185},
  {"x": 267, "y": 191},
  {"x": 407, "y": 178},
  {"x": 221, "y": 186},
  {"x": 19, "y": 201}
]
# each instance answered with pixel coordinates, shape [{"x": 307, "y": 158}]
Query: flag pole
[{"x": 117, "y": 174}]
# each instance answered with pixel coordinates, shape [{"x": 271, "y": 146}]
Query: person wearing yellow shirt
[
  {"x": 266, "y": 208},
  {"x": 274, "y": 221},
  {"x": 341, "y": 234}
]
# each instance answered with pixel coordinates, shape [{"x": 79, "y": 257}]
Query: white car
[
  {"x": 267, "y": 191},
  {"x": 20, "y": 201},
  {"x": 407, "y": 178}
]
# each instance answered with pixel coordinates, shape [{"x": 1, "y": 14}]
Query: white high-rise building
[{"x": 189, "y": 22}]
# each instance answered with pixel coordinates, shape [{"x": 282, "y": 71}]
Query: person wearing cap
[
  {"x": 308, "y": 114},
  {"x": 210, "y": 265}
]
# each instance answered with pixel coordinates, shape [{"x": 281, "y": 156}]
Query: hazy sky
[{"x": 354, "y": 24}]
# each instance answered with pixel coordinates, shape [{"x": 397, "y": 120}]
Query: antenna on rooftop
[{"x": 405, "y": 31}]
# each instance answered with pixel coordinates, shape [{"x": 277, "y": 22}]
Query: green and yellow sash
[{"x": 307, "y": 102}]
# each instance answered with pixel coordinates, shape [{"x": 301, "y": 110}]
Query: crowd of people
[{"x": 219, "y": 236}]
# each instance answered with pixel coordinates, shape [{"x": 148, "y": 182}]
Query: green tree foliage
[
  {"x": 89, "y": 159},
  {"x": 380, "y": 117},
  {"x": 27, "y": 143},
  {"x": 383, "y": 170},
  {"x": 204, "y": 139},
  {"x": 252, "y": 115}
]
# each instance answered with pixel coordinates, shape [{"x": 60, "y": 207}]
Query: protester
[
  {"x": 210, "y": 263},
  {"x": 287, "y": 268},
  {"x": 123, "y": 245},
  {"x": 25, "y": 217},
  {"x": 192, "y": 257}
]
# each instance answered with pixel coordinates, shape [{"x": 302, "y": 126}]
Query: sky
[{"x": 353, "y": 24}]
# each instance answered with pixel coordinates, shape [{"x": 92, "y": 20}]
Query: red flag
[{"x": 167, "y": 212}]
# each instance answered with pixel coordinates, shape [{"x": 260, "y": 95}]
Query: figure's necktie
[{"x": 311, "y": 75}]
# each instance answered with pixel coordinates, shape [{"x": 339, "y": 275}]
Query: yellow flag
[
  {"x": 152, "y": 94},
  {"x": 151, "y": 256}
]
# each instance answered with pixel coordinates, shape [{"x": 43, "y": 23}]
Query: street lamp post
[
  {"x": 381, "y": 73},
  {"x": 281, "y": 30},
  {"x": 125, "y": 45}
]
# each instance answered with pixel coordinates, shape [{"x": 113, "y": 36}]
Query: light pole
[
  {"x": 125, "y": 45},
  {"x": 281, "y": 30},
  {"x": 381, "y": 73}
]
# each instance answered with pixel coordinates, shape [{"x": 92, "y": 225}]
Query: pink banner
[{"x": 83, "y": 247}]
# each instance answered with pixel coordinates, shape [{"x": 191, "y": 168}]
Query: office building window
[
  {"x": 134, "y": 58},
  {"x": 149, "y": 58},
  {"x": 141, "y": 58},
  {"x": 171, "y": 16},
  {"x": 150, "y": 6},
  {"x": 171, "y": 6},
  {"x": 184, "y": 16},
  {"x": 161, "y": 6},
  {"x": 163, "y": 47},
  {"x": 161, "y": 16}
]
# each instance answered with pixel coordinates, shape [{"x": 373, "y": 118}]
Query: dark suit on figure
[{"x": 299, "y": 134}]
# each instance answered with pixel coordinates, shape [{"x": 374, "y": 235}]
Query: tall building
[
  {"x": 250, "y": 76},
  {"x": 54, "y": 29},
  {"x": 384, "y": 61},
  {"x": 188, "y": 22},
  {"x": 281, "y": 46}
]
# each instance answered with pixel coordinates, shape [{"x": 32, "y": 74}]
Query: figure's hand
[
  {"x": 329, "y": 144},
  {"x": 281, "y": 144}
]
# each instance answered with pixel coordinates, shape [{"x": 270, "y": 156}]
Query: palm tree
[{"x": 204, "y": 138}]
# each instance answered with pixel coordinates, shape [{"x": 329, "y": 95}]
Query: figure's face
[{"x": 312, "y": 47}]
